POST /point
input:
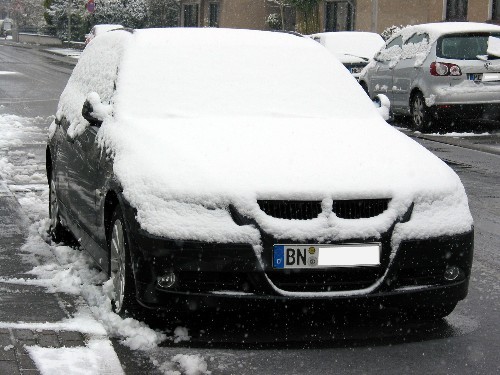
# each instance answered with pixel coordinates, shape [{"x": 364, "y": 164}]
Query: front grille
[
  {"x": 359, "y": 208},
  {"x": 306, "y": 210},
  {"x": 297, "y": 210},
  {"x": 333, "y": 280}
]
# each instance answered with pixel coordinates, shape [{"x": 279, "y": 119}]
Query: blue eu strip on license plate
[{"x": 279, "y": 256}]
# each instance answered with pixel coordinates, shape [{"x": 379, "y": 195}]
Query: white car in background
[{"x": 354, "y": 49}]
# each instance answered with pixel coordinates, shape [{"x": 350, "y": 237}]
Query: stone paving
[{"x": 14, "y": 358}]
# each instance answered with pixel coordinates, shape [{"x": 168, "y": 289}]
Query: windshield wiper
[{"x": 359, "y": 57}]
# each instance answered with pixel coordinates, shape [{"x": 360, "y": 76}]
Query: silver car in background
[{"x": 439, "y": 72}]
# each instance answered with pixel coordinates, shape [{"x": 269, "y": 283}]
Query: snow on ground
[
  {"x": 60, "y": 268},
  {"x": 97, "y": 358}
]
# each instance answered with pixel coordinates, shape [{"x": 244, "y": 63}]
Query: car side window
[
  {"x": 417, "y": 44},
  {"x": 392, "y": 50}
]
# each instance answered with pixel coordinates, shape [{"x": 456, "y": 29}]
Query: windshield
[
  {"x": 215, "y": 72},
  {"x": 464, "y": 46}
]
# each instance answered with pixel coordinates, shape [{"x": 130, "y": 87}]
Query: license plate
[
  {"x": 322, "y": 256},
  {"x": 490, "y": 77},
  {"x": 356, "y": 70},
  {"x": 474, "y": 76}
]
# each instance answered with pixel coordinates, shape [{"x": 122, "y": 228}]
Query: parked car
[
  {"x": 438, "y": 72},
  {"x": 99, "y": 29},
  {"x": 354, "y": 49},
  {"x": 193, "y": 183}
]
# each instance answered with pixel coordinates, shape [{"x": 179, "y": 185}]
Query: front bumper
[{"x": 225, "y": 275}]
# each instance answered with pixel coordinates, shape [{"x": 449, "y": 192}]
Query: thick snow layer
[
  {"x": 97, "y": 358},
  {"x": 245, "y": 121},
  {"x": 348, "y": 46},
  {"x": 84, "y": 81}
]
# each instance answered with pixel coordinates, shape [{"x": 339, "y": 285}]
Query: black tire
[
  {"x": 57, "y": 231},
  {"x": 420, "y": 113},
  {"x": 123, "y": 300}
]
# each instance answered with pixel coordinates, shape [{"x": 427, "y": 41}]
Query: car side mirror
[
  {"x": 88, "y": 114},
  {"x": 383, "y": 105}
]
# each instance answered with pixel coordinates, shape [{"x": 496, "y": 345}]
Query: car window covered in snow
[
  {"x": 392, "y": 51},
  {"x": 416, "y": 47},
  {"x": 464, "y": 47},
  {"x": 96, "y": 71}
]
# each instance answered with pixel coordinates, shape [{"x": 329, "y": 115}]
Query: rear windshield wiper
[{"x": 359, "y": 57}]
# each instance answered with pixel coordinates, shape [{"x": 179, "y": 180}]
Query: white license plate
[{"x": 321, "y": 256}]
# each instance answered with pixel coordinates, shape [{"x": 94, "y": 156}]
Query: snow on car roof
[
  {"x": 435, "y": 30},
  {"x": 356, "y": 43}
]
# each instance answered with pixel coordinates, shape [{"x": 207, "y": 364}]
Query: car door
[
  {"x": 84, "y": 183},
  {"x": 405, "y": 72},
  {"x": 381, "y": 81}
]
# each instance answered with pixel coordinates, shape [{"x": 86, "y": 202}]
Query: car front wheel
[
  {"x": 120, "y": 271},
  {"x": 421, "y": 118}
]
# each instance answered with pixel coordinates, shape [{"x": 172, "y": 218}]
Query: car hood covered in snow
[{"x": 182, "y": 177}]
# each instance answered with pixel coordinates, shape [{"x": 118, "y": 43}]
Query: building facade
[{"x": 336, "y": 15}]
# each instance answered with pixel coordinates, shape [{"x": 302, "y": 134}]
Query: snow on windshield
[{"x": 215, "y": 72}]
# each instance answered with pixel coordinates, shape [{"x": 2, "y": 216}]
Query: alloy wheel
[{"x": 418, "y": 112}]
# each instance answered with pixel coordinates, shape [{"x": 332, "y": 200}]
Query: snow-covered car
[
  {"x": 100, "y": 29},
  {"x": 196, "y": 172},
  {"x": 439, "y": 72},
  {"x": 354, "y": 49}
]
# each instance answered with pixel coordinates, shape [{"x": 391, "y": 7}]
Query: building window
[
  {"x": 213, "y": 14},
  {"x": 456, "y": 10},
  {"x": 190, "y": 15},
  {"x": 339, "y": 15},
  {"x": 495, "y": 10}
]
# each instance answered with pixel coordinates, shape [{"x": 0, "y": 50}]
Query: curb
[{"x": 459, "y": 142}]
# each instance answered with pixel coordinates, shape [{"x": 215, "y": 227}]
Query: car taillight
[{"x": 445, "y": 69}]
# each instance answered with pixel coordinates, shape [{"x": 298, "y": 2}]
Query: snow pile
[
  {"x": 189, "y": 364},
  {"x": 71, "y": 271},
  {"x": 96, "y": 359}
]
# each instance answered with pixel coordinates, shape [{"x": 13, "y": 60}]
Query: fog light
[
  {"x": 167, "y": 281},
  {"x": 452, "y": 273}
]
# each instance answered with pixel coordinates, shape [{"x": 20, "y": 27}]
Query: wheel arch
[
  {"x": 111, "y": 201},
  {"x": 414, "y": 92}
]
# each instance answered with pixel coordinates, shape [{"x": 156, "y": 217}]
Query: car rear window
[{"x": 464, "y": 46}]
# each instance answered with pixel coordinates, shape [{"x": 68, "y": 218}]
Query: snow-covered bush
[{"x": 274, "y": 21}]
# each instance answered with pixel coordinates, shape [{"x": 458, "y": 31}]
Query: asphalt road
[{"x": 274, "y": 342}]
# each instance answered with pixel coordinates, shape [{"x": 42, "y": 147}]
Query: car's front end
[{"x": 194, "y": 274}]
